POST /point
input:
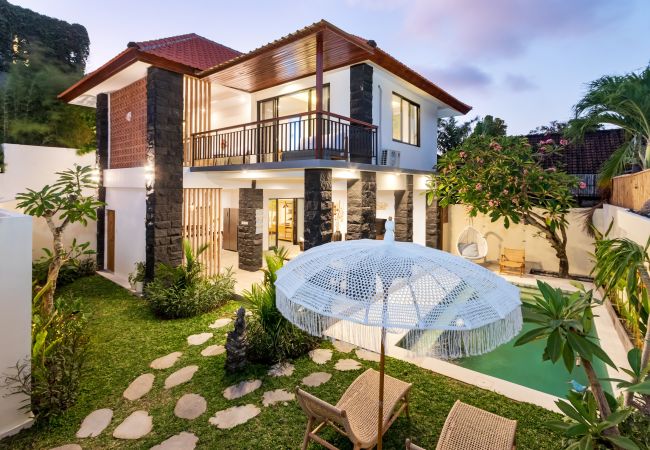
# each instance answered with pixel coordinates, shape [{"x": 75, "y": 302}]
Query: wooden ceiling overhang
[{"x": 290, "y": 58}]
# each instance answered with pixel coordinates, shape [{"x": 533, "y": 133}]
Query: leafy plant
[
  {"x": 77, "y": 264},
  {"x": 271, "y": 337},
  {"x": 504, "y": 177},
  {"x": 638, "y": 386},
  {"x": 451, "y": 133},
  {"x": 137, "y": 276},
  {"x": 59, "y": 345},
  {"x": 183, "y": 291},
  {"x": 65, "y": 202},
  {"x": 622, "y": 101}
]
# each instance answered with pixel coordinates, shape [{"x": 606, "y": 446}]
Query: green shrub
[
  {"x": 59, "y": 343},
  {"x": 271, "y": 337},
  {"x": 182, "y": 291},
  {"x": 77, "y": 264},
  {"x": 637, "y": 427}
]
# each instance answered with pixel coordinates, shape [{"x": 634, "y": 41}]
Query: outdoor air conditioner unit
[{"x": 389, "y": 158}]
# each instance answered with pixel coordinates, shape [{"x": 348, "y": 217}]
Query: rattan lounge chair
[
  {"x": 355, "y": 414},
  {"x": 513, "y": 260},
  {"x": 470, "y": 428}
]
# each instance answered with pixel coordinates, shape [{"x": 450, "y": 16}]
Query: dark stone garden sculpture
[{"x": 236, "y": 344}]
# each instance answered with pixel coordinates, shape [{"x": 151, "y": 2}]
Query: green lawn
[{"x": 126, "y": 337}]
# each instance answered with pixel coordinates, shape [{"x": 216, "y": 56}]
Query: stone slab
[
  {"x": 231, "y": 417},
  {"x": 347, "y": 364},
  {"x": 367, "y": 355},
  {"x": 199, "y": 339},
  {"x": 95, "y": 423},
  {"x": 139, "y": 387},
  {"x": 240, "y": 389},
  {"x": 316, "y": 379},
  {"x": 213, "y": 350},
  {"x": 320, "y": 355},
  {"x": 281, "y": 370},
  {"x": 136, "y": 426},
  {"x": 180, "y": 441},
  {"x": 68, "y": 447},
  {"x": 220, "y": 323},
  {"x": 190, "y": 406},
  {"x": 343, "y": 347},
  {"x": 180, "y": 376},
  {"x": 165, "y": 362},
  {"x": 277, "y": 396}
]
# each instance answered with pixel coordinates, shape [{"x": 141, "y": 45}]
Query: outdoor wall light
[
  {"x": 149, "y": 175},
  {"x": 95, "y": 175}
]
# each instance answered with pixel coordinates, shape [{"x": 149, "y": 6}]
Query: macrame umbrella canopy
[{"x": 358, "y": 288}]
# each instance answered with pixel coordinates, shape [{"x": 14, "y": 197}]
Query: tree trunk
[
  {"x": 599, "y": 395},
  {"x": 558, "y": 243},
  {"x": 58, "y": 253},
  {"x": 560, "y": 252}
]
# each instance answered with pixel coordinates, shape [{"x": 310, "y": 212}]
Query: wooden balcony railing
[{"x": 287, "y": 138}]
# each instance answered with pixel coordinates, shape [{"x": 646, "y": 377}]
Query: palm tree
[{"x": 622, "y": 101}]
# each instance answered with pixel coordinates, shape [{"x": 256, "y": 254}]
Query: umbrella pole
[{"x": 380, "y": 412}]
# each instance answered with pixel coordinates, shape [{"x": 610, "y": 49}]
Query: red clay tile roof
[
  {"x": 587, "y": 156},
  {"x": 191, "y": 50}
]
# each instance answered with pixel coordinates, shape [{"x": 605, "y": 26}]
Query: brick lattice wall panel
[
  {"x": 318, "y": 207},
  {"x": 404, "y": 212},
  {"x": 362, "y": 207},
  {"x": 129, "y": 137}
]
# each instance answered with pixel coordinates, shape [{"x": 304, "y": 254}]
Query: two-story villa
[{"x": 316, "y": 135}]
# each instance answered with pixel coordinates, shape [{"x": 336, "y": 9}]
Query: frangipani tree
[
  {"x": 71, "y": 199},
  {"x": 503, "y": 177}
]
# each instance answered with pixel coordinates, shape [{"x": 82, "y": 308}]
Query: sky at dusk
[{"x": 526, "y": 61}]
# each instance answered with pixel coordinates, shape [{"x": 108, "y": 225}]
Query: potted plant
[{"x": 136, "y": 278}]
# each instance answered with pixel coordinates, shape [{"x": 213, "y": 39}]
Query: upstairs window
[{"x": 406, "y": 120}]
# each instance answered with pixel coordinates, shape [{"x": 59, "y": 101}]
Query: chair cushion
[{"x": 468, "y": 250}]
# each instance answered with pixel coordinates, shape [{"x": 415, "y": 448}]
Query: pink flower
[
  {"x": 505, "y": 192},
  {"x": 495, "y": 146},
  {"x": 478, "y": 186},
  {"x": 463, "y": 154},
  {"x": 582, "y": 185},
  {"x": 564, "y": 142},
  {"x": 549, "y": 141},
  {"x": 525, "y": 171},
  {"x": 542, "y": 149},
  {"x": 491, "y": 203},
  {"x": 551, "y": 169}
]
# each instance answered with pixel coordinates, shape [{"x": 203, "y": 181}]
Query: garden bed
[{"x": 126, "y": 337}]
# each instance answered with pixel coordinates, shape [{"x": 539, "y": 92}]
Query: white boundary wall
[
  {"x": 33, "y": 167},
  {"x": 626, "y": 224},
  {"x": 15, "y": 313}
]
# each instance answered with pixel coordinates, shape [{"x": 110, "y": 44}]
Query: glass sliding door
[
  {"x": 273, "y": 223},
  {"x": 286, "y": 217}
]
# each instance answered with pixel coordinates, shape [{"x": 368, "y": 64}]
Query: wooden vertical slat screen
[
  {"x": 631, "y": 191},
  {"x": 196, "y": 112},
  {"x": 202, "y": 225}
]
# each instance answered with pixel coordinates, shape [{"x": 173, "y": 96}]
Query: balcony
[{"x": 305, "y": 136}]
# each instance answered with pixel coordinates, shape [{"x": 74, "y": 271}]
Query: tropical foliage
[
  {"x": 71, "y": 199},
  {"x": 271, "y": 337},
  {"x": 490, "y": 126},
  {"x": 78, "y": 264},
  {"x": 183, "y": 291},
  {"x": 622, "y": 101},
  {"x": 452, "y": 133},
  {"x": 504, "y": 177}
]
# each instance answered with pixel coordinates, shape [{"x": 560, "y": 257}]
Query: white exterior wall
[
  {"x": 626, "y": 224},
  {"x": 126, "y": 195},
  {"x": 33, "y": 167},
  {"x": 15, "y": 312},
  {"x": 411, "y": 157}
]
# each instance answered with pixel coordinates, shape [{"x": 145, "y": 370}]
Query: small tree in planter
[
  {"x": 504, "y": 177},
  {"x": 136, "y": 278},
  {"x": 65, "y": 202}
]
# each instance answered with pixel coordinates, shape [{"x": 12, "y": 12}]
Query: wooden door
[{"x": 110, "y": 240}]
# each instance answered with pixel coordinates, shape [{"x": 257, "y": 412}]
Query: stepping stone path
[
  {"x": 213, "y": 350},
  {"x": 220, "y": 323},
  {"x": 320, "y": 355},
  {"x": 95, "y": 423},
  {"x": 316, "y": 379},
  {"x": 343, "y": 347},
  {"x": 139, "y": 387},
  {"x": 277, "y": 396},
  {"x": 241, "y": 389},
  {"x": 137, "y": 425},
  {"x": 190, "y": 406},
  {"x": 231, "y": 417},
  {"x": 165, "y": 362},
  {"x": 282, "y": 370},
  {"x": 199, "y": 339},
  {"x": 367, "y": 355},
  {"x": 180, "y": 376},
  {"x": 68, "y": 447},
  {"x": 181, "y": 441},
  {"x": 347, "y": 364}
]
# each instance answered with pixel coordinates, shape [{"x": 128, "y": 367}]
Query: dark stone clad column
[
  {"x": 360, "y": 109},
  {"x": 249, "y": 243},
  {"x": 404, "y": 212},
  {"x": 102, "y": 132},
  {"x": 362, "y": 207},
  {"x": 164, "y": 217},
  {"x": 432, "y": 227},
  {"x": 318, "y": 207}
]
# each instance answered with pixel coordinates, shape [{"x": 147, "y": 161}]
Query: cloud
[
  {"x": 519, "y": 83},
  {"x": 505, "y": 28},
  {"x": 459, "y": 76}
]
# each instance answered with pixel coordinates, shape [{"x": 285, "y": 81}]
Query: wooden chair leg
[{"x": 305, "y": 441}]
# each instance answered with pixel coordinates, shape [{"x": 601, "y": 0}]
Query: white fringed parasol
[{"x": 360, "y": 289}]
